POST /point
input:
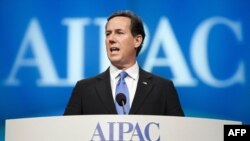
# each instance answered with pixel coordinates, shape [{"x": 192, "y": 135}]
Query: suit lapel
[
  {"x": 104, "y": 91},
  {"x": 143, "y": 87}
]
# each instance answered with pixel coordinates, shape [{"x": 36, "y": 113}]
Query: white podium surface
[{"x": 115, "y": 127}]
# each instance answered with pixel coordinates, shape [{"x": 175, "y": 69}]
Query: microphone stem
[{"x": 123, "y": 105}]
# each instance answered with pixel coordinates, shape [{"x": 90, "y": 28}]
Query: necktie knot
[{"x": 123, "y": 75}]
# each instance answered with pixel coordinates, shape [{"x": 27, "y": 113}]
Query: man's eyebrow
[{"x": 118, "y": 29}]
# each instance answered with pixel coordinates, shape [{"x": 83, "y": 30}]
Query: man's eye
[{"x": 107, "y": 34}]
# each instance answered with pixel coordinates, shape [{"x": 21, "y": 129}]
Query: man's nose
[{"x": 111, "y": 38}]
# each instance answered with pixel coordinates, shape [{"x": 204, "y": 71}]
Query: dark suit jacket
[{"x": 154, "y": 96}]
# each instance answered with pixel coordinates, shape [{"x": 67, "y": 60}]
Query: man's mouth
[{"x": 112, "y": 49}]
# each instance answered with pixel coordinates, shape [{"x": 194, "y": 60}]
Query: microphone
[{"x": 121, "y": 100}]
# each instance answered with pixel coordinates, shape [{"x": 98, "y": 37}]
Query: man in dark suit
[{"x": 148, "y": 94}]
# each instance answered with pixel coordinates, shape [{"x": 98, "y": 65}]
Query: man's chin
[{"x": 115, "y": 59}]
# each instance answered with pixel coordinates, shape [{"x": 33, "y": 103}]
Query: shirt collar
[{"x": 133, "y": 71}]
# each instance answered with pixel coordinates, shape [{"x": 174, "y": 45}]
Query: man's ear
[{"x": 137, "y": 40}]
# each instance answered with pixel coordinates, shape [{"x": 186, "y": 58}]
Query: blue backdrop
[{"x": 46, "y": 46}]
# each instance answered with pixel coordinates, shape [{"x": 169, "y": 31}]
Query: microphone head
[{"x": 121, "y": 98}]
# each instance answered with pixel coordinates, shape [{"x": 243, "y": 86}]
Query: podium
[{"x": 115, "y": 128}]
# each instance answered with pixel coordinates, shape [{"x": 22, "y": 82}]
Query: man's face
[{"x": 120, "y": 44}]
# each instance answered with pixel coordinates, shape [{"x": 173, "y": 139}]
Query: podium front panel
[{"x": 115, "y": 128}]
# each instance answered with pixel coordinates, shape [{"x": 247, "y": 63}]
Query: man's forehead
[{"x": 118, "y": 22}]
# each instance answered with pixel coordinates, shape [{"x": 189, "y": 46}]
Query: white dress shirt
[{"x": 131, "y": 80}]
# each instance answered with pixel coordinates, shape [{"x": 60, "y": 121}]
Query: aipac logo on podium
[{"x": 126, "y": 131}]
